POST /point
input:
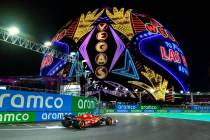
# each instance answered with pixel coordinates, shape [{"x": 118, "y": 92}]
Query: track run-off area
[{"x": 133, "y": 126}]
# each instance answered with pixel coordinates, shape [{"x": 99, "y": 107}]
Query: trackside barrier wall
[
  {"x": 157, "y": 111},
  {"x": 24, "y": 106},
  {"x": 136, "y": 108}
]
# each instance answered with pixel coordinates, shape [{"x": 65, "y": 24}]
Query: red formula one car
[{"x": 86, "y": 120}]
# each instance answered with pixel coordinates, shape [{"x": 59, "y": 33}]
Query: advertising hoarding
[
  {"x": 11, "y": 100},
  {"x": 149, "y": 107},
  {"x": 22, "y": 117},
  {"x": 197, "y": 107},
  {"x": 16, "y": 117},
  {"x": 83, "y": 104},
  {"x": 81, "y": 113},
  {"x": 24, "y": 106},
  {"x": 125, "y": 107},
  {"x": 50, "y": 116},
  {"x": 136, "y": 111}
]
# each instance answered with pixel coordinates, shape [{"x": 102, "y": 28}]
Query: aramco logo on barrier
[
  {"x": 31, "y": 101},
  {"x": 83, "y": 104},
  {"x": 12, "y": 117}
]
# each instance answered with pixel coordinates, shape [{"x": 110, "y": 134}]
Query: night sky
[{"x": 40, "y": 21}]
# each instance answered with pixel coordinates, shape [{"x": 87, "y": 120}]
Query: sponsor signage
[
  {"x": 203, "y": 111},
  {"x": 11, "y": 100},
  {"x": 110, "y": 111},
  {"x": 82, "y": 113},
  {"x": 175, "y": 110},
  {"x": 125, "y": 108},
  {"x": 83, "y": 104},
  {"x": 51, "y": 116},
  {"x": 201, "y": 108},
  {"x": 122, "y": 111},
  {"x": 136, "y": 111},
  {"x": 16, "y": 117},
  {"x": 149, "y": 107},
  {"x": 158, "y": 111},
  {"x": 148, "y": 111},
  {"x": 190, "y": 111},
  {"x": 21, "y": 117},
  {"x": 161, "y": 111}
]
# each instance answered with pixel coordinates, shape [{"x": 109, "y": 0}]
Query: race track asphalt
[{"x": 130, "y": 127}]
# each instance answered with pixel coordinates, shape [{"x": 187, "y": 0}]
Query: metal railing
[
  {"x": 9, "y": 87},
  {"x": 33, "y": 46}
]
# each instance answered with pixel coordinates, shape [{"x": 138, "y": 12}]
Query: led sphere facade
[{"x": 123, "y": 50}]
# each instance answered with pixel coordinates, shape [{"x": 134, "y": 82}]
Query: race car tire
[
  {"x": 97, "y": 123},
  {"x": 108, "y": 121},
  {"x": 66, "y": 123},
  {"x": 79, "y": 124}
]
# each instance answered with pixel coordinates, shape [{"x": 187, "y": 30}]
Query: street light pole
[
  {"x": 191, "y": 96},
  {"x": 116, "y": 89},
  {"x": 97, "y": 88},
  {"x": 139, "y": 93},
  {"x": 99, "y": 100},
  {"x": 140, "y": 97}
]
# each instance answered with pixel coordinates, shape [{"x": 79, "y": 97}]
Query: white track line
[
  {"x": 54, "y": 127},
  {"x": 47, "y": 127},
  {"x": 22, "y": 129}
]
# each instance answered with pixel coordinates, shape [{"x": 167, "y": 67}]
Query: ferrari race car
[{"x": 86, "y": 120}]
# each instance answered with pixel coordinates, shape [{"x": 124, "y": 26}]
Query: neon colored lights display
[
  {"x": 50, "y": 65},
  {"x": 101, "y": 72},
  {"x": 156, "y": 27},
  {"x": 59, "y": 36},
  {"x": 102, "y": 26},
  {"x": 85, "y": 24},
  {"x": 166, "y": 54},
  {"x": 83, "y": 50},
  {"x": 172, "y": 56},
  {"x": 122, "y": 21},
  {"x": 101, "y": 58},
  {"x": 101, "y": 46},
  {"x": 157, "y": 86},
  {"x": 47, "y": 60},
  {"x": 123, "y": 47},
  {"x": 129, "y": 69},
  {"x": 120, "y": 48},
  {"x": 101, "y": 36}
]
